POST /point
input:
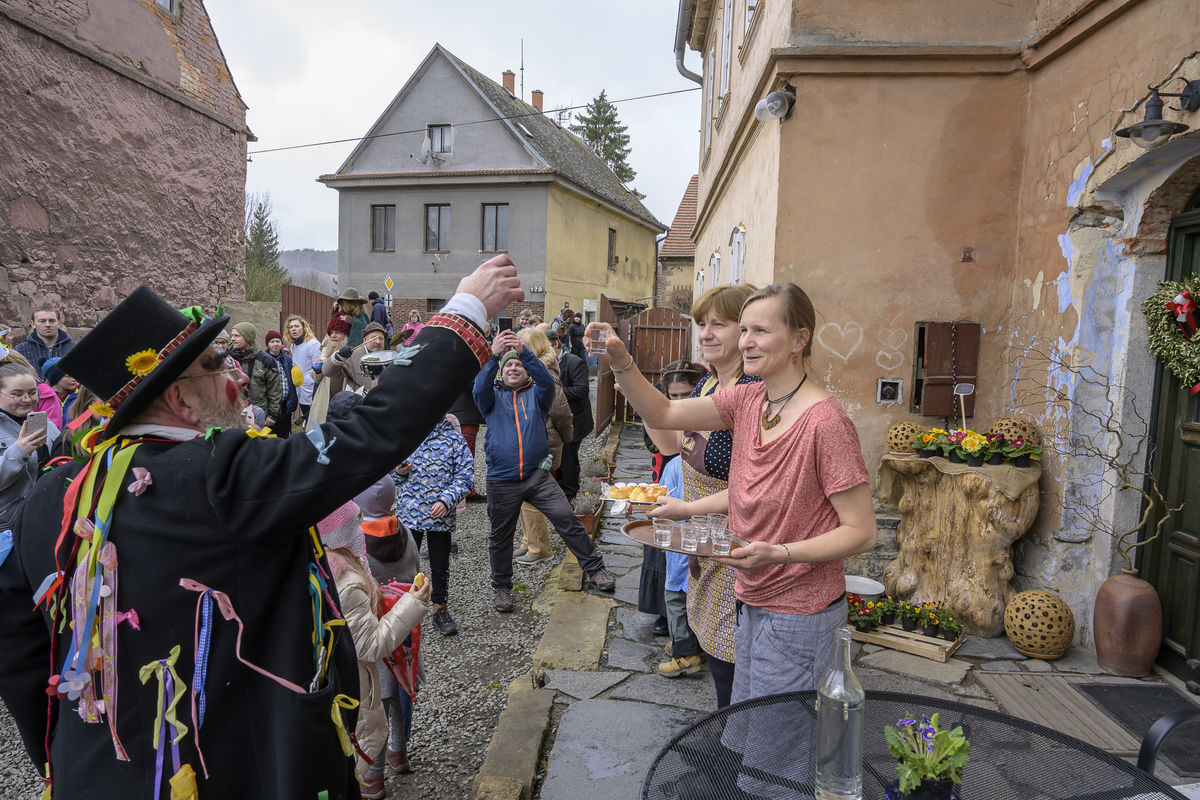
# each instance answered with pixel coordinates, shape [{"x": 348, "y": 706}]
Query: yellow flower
[
  {"x": 973, "y": 443},
  {"x": 142, "y": 362},
  {"x": 101, "y": 409}
]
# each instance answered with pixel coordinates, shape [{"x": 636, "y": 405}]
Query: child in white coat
[{"x": 374, "y": 637}]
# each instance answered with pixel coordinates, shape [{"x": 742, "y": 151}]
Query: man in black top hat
[{"x": 223, "y": 635}]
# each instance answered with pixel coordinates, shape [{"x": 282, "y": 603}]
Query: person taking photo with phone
[{"x": 26, "y": 437}]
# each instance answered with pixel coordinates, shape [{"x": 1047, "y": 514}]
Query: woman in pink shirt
[{"x": 788, "y": 433}]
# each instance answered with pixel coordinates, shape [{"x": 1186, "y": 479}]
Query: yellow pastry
[{"x": 618, "y": 492}]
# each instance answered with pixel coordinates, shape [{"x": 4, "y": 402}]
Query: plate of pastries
[{"x": 640, "y": 495}]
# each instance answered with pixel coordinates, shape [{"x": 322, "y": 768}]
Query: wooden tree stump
[{"x": 957, "y": 527}]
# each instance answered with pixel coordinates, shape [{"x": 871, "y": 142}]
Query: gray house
[{"x": 457, "y": 169}]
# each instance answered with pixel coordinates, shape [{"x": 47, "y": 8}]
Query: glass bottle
[{"x": 840, "y": 715}]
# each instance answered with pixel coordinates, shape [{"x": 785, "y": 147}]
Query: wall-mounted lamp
[
  {"x": 1154, "y": 128},
  {"x": 777, "y": 106}
]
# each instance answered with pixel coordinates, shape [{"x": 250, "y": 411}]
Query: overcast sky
[{"x": 315, "y": 70}]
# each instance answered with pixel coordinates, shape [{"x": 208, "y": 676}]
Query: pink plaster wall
[{"x": 105, "y": 182}]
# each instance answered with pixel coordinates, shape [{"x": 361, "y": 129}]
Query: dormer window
[{"x": 439, "y": 138}]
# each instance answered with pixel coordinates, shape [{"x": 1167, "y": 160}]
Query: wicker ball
[
  {"x": 1014, "y": 427},
  {"x": 900, "y": 437},
  {"x": 1039, "y": 624}
]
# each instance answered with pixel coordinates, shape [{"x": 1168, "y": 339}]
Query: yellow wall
[
  {"x": 750, "y": 198},
  {"x": 577, "y": 249}
]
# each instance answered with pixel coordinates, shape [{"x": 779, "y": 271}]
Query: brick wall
[
  {"x": 178, "y": 52},
  {"x": 106, "y": 183}
]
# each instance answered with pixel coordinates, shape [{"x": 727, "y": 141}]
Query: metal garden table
[{"x": 763, "y": 748}]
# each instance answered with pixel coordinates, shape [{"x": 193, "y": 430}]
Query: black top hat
[{"x": 135, "y": 352}]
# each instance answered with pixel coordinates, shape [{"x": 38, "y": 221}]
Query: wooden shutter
[{"x": 947, "y": 353}]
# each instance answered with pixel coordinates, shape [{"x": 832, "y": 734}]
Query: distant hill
[
  {"x": 314, "y": 269},
  {"x": 300, "y": 261}
]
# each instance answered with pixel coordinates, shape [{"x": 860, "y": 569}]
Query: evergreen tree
[
  {"x": 264, "y": 274},
  {"x": 602, "y": 131}
]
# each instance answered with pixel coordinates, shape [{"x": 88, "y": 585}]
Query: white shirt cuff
[{"x": 469, "y": 306}]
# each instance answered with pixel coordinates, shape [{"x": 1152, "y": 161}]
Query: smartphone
[
  {"x": 35, "y": 422},
  {"x": 505, "y": 323}
]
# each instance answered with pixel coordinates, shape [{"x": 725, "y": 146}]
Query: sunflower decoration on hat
[{"x": 142, "y": 363}]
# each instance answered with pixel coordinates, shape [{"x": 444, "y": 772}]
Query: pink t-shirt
[{"x": 779, "y": 492}]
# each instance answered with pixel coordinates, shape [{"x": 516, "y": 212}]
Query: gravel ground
[{"x": 467, "y": 675}]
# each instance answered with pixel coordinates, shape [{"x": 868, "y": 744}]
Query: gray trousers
[
  {"x": 683, "y": 641},
  {"x": 504, "y": 500},
  {"x": 778, "y": 652}
]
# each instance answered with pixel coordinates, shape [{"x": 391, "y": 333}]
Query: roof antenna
[{"x": 522, "y": 70}]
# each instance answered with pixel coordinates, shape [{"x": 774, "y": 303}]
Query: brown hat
[
  {"x": 350, "y": 294},
  {"x": 374, "y": 326}
]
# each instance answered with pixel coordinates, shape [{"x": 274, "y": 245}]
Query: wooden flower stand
[{"x": 957, "y": 527}]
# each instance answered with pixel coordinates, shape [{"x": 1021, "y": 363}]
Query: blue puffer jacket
[{"x": 516, "y": 440}]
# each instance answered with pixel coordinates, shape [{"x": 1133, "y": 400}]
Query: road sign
[{"x": 387, "y": 283}]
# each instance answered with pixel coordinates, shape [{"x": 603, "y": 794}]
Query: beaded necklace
[{"x": 769, "y": 422}]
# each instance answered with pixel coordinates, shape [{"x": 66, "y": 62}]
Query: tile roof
[
  {"x": 678, "y": 243},
  {"x": 562, "y": 150},
  {"x": 439, "y": 173}
]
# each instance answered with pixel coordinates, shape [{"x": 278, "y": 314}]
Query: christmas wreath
[{"x": 1171, "y": 316}]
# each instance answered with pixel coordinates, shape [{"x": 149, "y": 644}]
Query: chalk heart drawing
[
  {"x": 893, "y": 338},
  {"x": 889, "y": 312},
  {"x": 840, "y": 340},
  {"x": 889, "y": 362}
]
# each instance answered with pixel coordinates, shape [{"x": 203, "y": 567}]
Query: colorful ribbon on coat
[{"x": 168, "y": 698}]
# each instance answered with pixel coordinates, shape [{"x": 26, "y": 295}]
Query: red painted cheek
[{"x": 231, "y": 392}]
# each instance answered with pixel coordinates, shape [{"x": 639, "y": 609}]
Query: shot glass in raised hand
[{"x": 599, "y": 340}]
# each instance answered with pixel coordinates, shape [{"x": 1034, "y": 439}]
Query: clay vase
[{"x": 1128, "y": 625}]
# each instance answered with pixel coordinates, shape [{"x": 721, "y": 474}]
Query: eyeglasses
[
  {"x": 32, "y": 394},
  {"x": 229, "y": 366}
]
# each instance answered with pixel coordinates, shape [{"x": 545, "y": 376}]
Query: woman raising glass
[{"x": 798, "y": 491}]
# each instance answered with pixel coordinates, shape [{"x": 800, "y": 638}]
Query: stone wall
[{"x": 109, "y": 176}]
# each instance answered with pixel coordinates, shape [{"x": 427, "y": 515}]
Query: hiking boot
[
  {"x": 372, "y": 786},
  {"x": 667, "y": 648},
  {"x": 680, "y": 666},
  {"x": 503, "y": 601},
  {"x": 602, "y": 580},
  {"x": 441, "y": 618},
  {"x": 520, "y": 551},
  {"x": 527, "y": 559},
  {"x": 398, "y": 760}
]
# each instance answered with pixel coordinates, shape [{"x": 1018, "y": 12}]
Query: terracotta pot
[{"x": 1128, "y": 624}]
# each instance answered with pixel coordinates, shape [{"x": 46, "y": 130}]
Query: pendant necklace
[{"x": 769, "y": 422}]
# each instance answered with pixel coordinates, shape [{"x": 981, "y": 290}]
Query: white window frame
[
  {"x": 737, "y": 255},
  {"x": 726, "y": 53},
  {"x": 444, "y": 141},
  {"x": 168, "y": 6},
  {"x": 714, "y": 270},
  {"x": 751, "y": 7}
]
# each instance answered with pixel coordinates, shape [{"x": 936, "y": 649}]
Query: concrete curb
[
  {"x": 575, "y": 635},
  {"x": 511, "y": 765}
]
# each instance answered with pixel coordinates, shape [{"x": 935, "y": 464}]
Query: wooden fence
[
  {"x": 313, "y": 306},
  {"x": 655, "y": 338}
]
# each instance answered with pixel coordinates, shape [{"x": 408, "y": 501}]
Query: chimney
[
  {"x": 509, "y": 79},
  {"x": 536, "y": 97}
]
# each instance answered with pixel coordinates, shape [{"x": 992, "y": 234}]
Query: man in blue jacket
[{"x": 514, "y": 392}]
